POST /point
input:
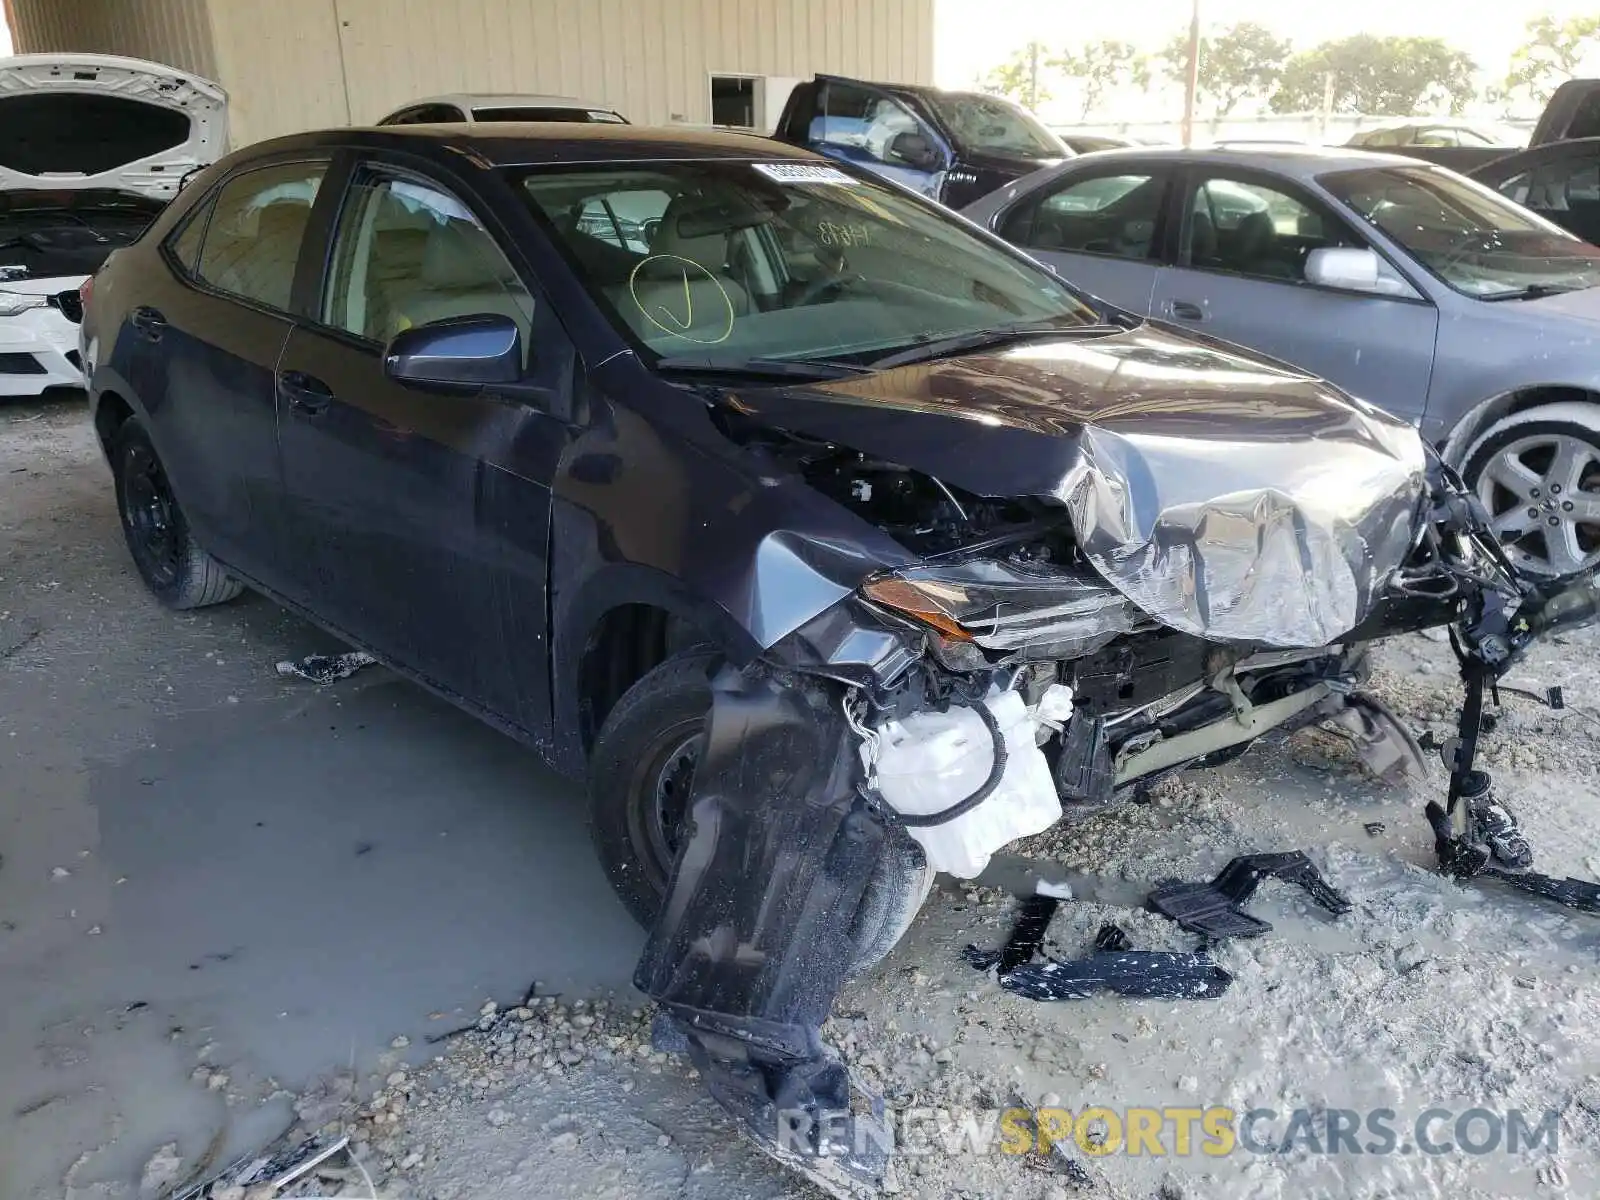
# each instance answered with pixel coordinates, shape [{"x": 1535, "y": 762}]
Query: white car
[
  {"x": 92, "y": 147},
  {"x": 473, "y": 109}
]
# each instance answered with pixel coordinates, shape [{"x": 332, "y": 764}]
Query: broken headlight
[{"x": 1005, "y": 605}]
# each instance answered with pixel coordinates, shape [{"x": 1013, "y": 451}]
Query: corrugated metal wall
[
  {"x": 298, "y": 64},
  {"x": 177, "y": 32},
  {"x": 652, "y": 59},
  {"x": 280, "y": 61}
]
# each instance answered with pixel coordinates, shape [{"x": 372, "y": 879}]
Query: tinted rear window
[{"x": 584, "y": 116}]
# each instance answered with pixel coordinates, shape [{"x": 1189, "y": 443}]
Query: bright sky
[{"x": 974, "y": 35}]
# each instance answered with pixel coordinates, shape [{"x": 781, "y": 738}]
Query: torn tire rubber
[
  {"x": 641, "y": 775},
  {"x": 173, "y": 566}
]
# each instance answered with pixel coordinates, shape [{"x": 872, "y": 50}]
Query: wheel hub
[
  {"x": 673, "y": 786},
  {"x": 148, "y": 508},
  {"x": 1542, "y": 493}
]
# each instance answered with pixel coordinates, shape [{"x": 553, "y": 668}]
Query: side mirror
[
  {"x": 1345, "y": 267},
  {"x": 460, "y": 353},
  {"x": 912, "y": 148}
]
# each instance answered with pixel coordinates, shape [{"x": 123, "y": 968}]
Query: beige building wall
[
  {"x": 297, "y": 64},
  {"x": 651, "y": 59},
  {"x": 280, "y": 63}
]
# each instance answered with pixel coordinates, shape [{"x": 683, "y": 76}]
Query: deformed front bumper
[{"x": 763, "y": 917}]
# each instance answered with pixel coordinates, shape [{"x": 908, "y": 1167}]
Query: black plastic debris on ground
[
  {"x": 1112, "y": 938},
  {"x": 1463, "y": 859},
  {"x": 1114, "y": 967},
  {"x": 327, "y": 668},
  {"x": 1137, "y": 974},
  {"x": 1213, "y": 909},
  {"x": 1034, "y": 914}
]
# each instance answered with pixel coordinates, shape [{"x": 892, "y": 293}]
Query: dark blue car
[{"x": 752, "y": 487}]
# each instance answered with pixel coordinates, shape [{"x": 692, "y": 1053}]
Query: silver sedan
[{"x": 1406, "y": 284}]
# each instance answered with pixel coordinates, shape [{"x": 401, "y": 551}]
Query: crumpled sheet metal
[{"x": 1242, "y": 530}]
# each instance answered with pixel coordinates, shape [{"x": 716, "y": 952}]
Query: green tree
[
  {"x": 1021, "y": 77},
  {"x": 1241, "y": 60},
  {"x": 1378, "y": 76},
  {"x": 1549, "y": 57},
  {"x": 1103, "y": 66}
]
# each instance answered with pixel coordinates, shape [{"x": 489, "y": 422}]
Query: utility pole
[
  {"x": 1191, "y": 79},
  {"x": 1033, "y": 76}
]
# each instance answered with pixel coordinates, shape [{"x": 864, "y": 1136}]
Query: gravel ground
[{"x": 1427, "y": 995}]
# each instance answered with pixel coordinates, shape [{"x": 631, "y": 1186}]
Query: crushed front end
[{"x": 1170, "y": 600}]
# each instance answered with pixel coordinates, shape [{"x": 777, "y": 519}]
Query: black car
[
  {"x": 835, "y": 541},
  {"x": 1559, "y": 181},
  {"x": 952, "y": 146}
]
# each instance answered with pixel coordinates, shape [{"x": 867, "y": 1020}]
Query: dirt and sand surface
[{"x": 230, "y": 902}]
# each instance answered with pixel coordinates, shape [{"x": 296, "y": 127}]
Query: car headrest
[
  {"x": 697, "y": 229},
  {"x": 1256, "y": 232}
]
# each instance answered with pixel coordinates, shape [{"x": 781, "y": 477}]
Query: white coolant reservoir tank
[{"x": 931, "y": 760}]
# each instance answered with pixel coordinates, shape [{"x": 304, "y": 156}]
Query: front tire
[
  {"x": 1538, "y": 475},
  {"x": 641, "y": 775},
  {"x": 173, "y": 566}
]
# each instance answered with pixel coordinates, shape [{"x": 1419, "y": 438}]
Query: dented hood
[
  {"x": 1226, "y": 496},
  {"x": 75, "y": 121}
]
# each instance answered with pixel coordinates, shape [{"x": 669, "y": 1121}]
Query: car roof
[
  {"x": 914, "y": 89},
  {"x": 1522, "y": 160},
  {"x": 530, "y": 143},
  {"x": 471, "y": 100},
  {"x": 1295, "y": 161}
]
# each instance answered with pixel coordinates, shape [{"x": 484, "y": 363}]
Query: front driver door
[
  {"x": 872, "y": 129},
  {"x": 423, "y": 514},
  {"x": 1240, "y": 275},
  {"x": 1100, "y": 229}
]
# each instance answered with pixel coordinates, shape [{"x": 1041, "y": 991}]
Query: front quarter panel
[
  {"x": 653, "y": 505},
  {"x": 1489, "y": 351}
]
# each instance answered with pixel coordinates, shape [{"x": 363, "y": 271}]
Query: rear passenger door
[
  {"x": 423, "y": 515},
  {"x": 1240, "y": 275},
  {"x": 1101, "y": 229},
  {"x": 203, "y": 352}
]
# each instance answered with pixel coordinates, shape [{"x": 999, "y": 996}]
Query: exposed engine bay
[
  {"x": 45, "y": 235},
  {"x": 918, "y": 511}
]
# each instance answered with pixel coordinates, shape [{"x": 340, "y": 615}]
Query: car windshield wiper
[
  {"x": 1534, "y": 291},
  {"x": 763, "y": 368},
  {"x": 927, "y": 347}
]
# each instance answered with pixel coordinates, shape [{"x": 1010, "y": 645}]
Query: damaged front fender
[{"x": 775, "y": 861}]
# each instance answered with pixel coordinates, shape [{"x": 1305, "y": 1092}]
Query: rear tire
[
  {"x": 173, "y": 566},
  {"x": 641, "y": 773}
]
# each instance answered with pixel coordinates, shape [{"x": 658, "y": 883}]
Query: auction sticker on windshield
[{"x": 803, "y": 173}]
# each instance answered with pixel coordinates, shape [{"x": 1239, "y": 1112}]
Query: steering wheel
[{"x": 818, "y": 288}]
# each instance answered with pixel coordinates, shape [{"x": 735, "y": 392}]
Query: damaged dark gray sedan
[{"x": 835, "y": 542}]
